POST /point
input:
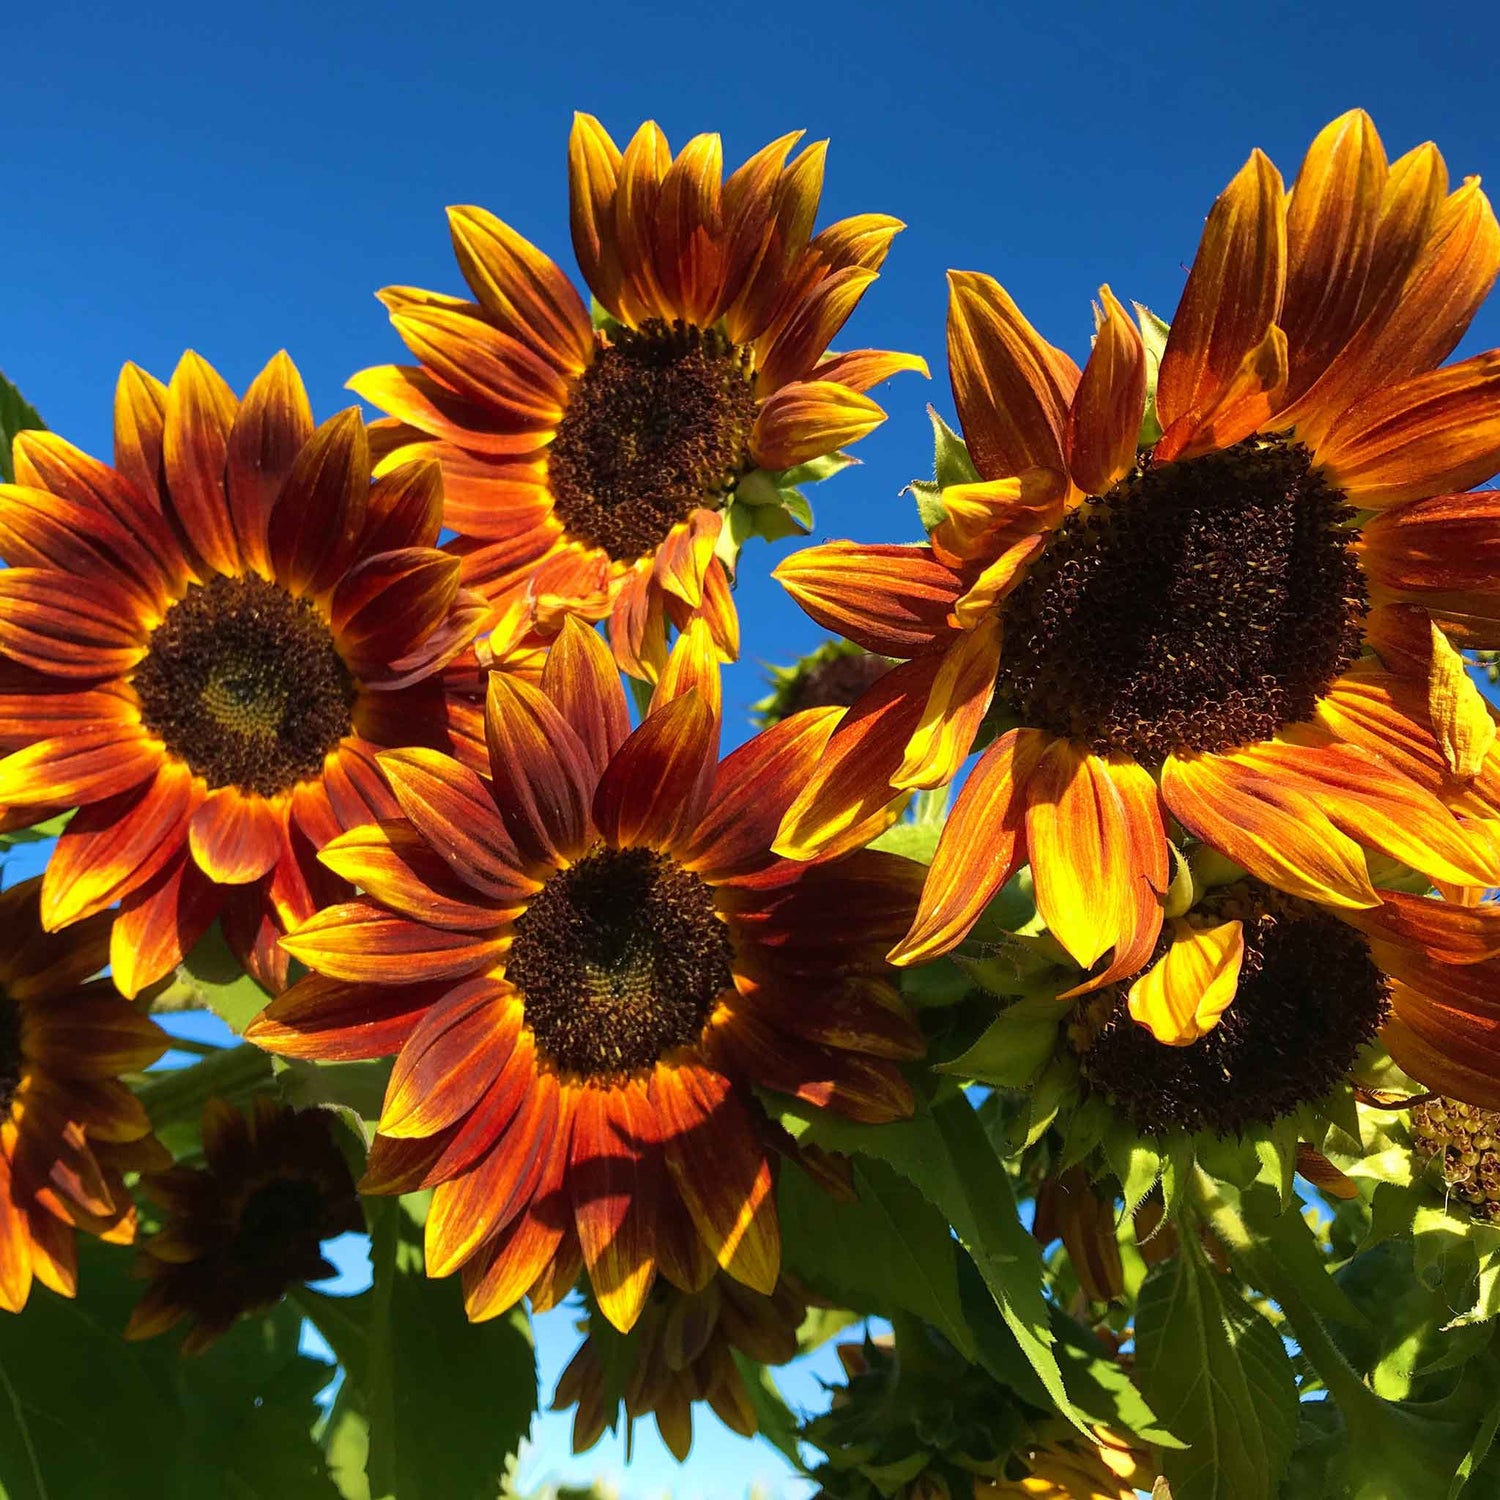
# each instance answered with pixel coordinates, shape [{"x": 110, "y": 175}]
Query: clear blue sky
[{"x": 238, "y": 178}]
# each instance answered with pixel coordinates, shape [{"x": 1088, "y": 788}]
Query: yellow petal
[
  {"x": 1460, "y": 715},
  {"x": 1181, "y": 997}
]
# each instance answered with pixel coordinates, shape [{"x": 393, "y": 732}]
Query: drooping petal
[
  {"x": 1181, "y": 997},
  {"x": 956, "y": 705},
  {"x": 849, "y": 796},
  {"x": 473, "y": 1207},
  {"x": 1276, "y": 832},
  {"x": 1104, "y": 421},
  {"x": 1232, "y": 294},
  {"x": 1075, "y": 834},
  {"x": 684, "y": 556},
  {"x": 1012, "y": 388},
  {"x": 615, "y": 1180},
  {"x": 1374, "y": 805},
  {"x": 892, "y": 600},
  {"x": 981, "y": 847},
  {"x": 721, "y": 1172}
]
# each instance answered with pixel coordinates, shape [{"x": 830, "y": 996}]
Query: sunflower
[
  {"x": 68, "y": 1126},
  {"x": 1247, "y": 621},
  {"x": 589, "y": 470},
  {"x": 1258, "y": 1003},
  {"x": 684, "y": 1350},
  {"x": 207, "y": 643},
  {"x": 583, "y": 967},
  {"x": 247, "y": 1226}
]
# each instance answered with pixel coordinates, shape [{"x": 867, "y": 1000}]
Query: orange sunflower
[
  {"x": 591, "y": 469},
  {"x": 1243, "y": 622},
  {"x": 68, "y": 1126},
  {"x": 207, "y": 644},
  {"x": 584, "y": 967}
]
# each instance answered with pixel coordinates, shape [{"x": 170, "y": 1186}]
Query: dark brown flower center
[
  {"x": 1197, "y": 606},
  {"x": 10, "y": 1051},
  {"x": 1309, "y": 997},
  {"x": 281, "y": 1224},
  {"x": 658, "y": 425},
  {"x": 619, "y": 960},
  {"x": 244, "y": 684}
]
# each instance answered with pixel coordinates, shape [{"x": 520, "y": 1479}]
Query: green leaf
[
  {"x": 1154, "y": 335},
  {"x": 951, "y": 463},
  {"x": 772, "y": 1415},
  {"x": 816, "y": 470},
  {"x": 891, "y": 1249},
  {"x": 16, "y": 415},
  {"x": 443, "y": 1402},
  {"x": 84, "y": 1413},
  {"x": 1219, "y": 1377},
  {"x": 928, "y": 494},
  {"x": 211, "y": 978},
  {"x": 177, "y": 1096},
  {"x": 944, "y": 1152},
  {"x": 911, "y": 840},
  {"x": 38, "y": 831},
  {"x": 1015, "y": 1045}
]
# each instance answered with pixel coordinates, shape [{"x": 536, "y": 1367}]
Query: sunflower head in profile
[
  {"x": 584, "y": 966},
  {"x": 610, "y": 467},
  {"x": 69, "y": 1127},
  {"x": 684, "y": 1352},
  {"x": 916, "y": 1421},
  {"x": 832, "y": 675},
  {"x": 241, "y": 1230},
  {"x": 1224, "y": 591},
  {"x": 207, "y": 643},
  {"x": 1257, "y": 1004}
]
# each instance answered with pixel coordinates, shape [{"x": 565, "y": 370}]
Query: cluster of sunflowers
[{"x": 1148, "y": 1094}]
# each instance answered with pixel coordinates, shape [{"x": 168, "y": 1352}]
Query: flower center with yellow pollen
[
  {"x": 243, "y": 683},
  {"x": 1309, "y": 997},
  {"x": 1197, "y": 606},
  {"x": 619, "y": 959},
  {"x": 656, "y": 427},
  {"x": 11, "y": 1059}
]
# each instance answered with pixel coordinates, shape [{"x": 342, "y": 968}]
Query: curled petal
[
  {"x": 237, "y": 836},
  {"x": 809, "y": 418},
  {"x": 892, "y": 600},
  {"x": 1181, "y": 997}
]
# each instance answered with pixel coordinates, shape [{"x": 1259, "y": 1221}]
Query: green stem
[{"x": 1341, "y": 1378}]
